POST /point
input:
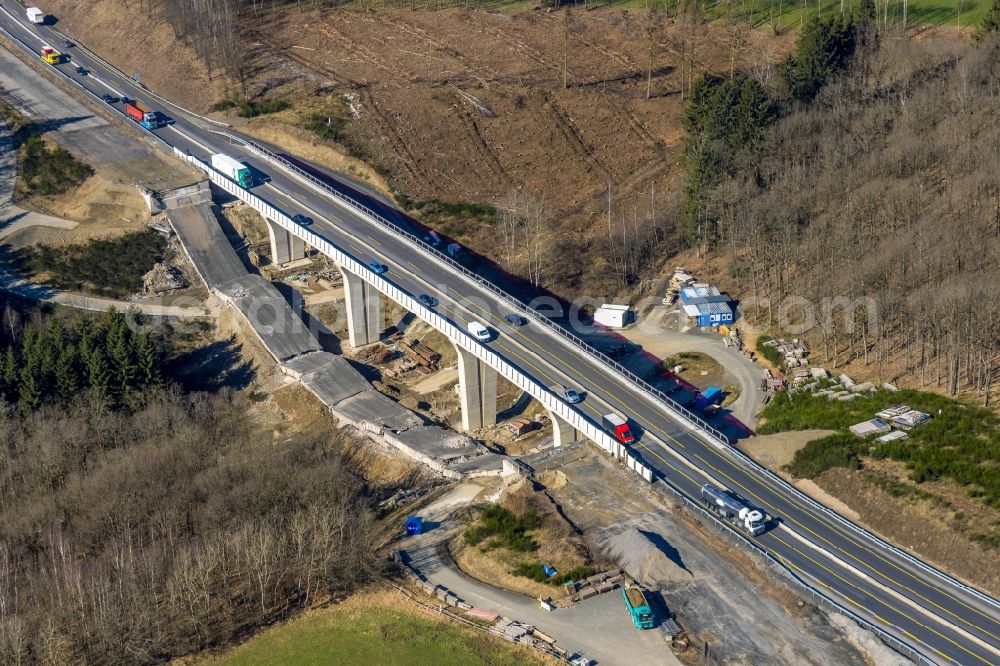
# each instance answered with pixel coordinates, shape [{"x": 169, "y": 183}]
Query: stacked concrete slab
[{"x": 332, "y": 379}]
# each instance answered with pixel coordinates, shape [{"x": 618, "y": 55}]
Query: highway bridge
[{"x": 920, "y": 611}]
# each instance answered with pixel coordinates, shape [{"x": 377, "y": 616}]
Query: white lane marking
[{"x": 190, "y": 138}]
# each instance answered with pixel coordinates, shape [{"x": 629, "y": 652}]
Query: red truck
[
  {"x": 618, "y": 427},
  {"x": 140, "y": 114}
]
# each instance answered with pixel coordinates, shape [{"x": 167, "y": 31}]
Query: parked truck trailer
[
  {"x": 233, "y": 169},
  {"x": 139, "y": 113},
  {"x": 729, "y": 507},
  {"x": 638, "y": 607}
]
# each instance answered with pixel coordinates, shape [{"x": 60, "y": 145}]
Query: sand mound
[
  {"x": 552, "y": 479},
  {"x": 645, "y": 556}
]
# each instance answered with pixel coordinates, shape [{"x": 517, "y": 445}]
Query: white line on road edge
[
  {"x": 901, "y": 597},
  {"x": 190, "y": 138}
]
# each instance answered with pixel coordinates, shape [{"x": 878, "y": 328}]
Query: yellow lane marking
[
  {"x": 670, "y": 465},
  {"x": 376, "y": 241},
  {"x": 877, "y": 599},
  {"x": 526, "y": 362},
  {"x": 474, "y": 304},
  {"x": 665, "y": 435}
]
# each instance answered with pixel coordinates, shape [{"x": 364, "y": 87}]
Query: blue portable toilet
[
  {"x": 549, "y": 571},
  {"x": 414, "y": 525}
]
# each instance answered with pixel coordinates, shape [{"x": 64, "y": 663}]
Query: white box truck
[
  {"x": 233, "y": 169},
  {"x": 36, "y": 15}
]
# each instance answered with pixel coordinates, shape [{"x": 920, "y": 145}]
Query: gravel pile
[{"x": 645, "y": 556}]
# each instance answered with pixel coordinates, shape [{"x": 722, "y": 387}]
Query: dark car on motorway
[
  {"x": 304, "y": 220},
  {"x": 81, "y": 71},
  {"x": 427, "y": 300},
  {"x": 110, "y": 99},
  {"x": 515, "y": 320},
  {"x": 377, "y": 267}
]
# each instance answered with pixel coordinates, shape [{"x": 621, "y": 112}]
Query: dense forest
[
  {"x": 55, "y": 361},
  {"x": 131, "y": 538},
  {"x": 862, "y": 178},
  {"x": 139, "y": 523}
]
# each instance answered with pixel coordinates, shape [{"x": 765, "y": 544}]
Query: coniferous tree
[
  {"x": 99, "y": 375},
  {"x": 148, "y": 356},
  {"x": 866, "y": 11},
  {"x": 29, "y": 389},
  {"x": 8, "y": 374},
  {"x": 991, "y": 22},
  {"x": 67, "y": 375},
  {"x": 823, "y": 49},
  {"x": 59, "y": 361}
]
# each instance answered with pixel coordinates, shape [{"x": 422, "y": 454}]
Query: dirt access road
[
  {"x": 599, "y": 627},
  {"x": 660, "y": 336}
]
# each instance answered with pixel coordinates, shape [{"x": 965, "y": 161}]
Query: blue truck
[{"x": 638, "y": 607}]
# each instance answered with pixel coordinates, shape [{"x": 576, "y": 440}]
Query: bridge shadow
[{"x": 516, "y": 409}]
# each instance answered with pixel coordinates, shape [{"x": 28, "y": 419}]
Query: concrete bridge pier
[
  {"x": 477, "y": 390},
  {"x": 562, "y": 431},
  {"x": 285, "y": 246},
  {"x": 364, "y": 310}
]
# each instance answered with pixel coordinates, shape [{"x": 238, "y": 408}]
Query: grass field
[{"x": 374, "y": 628}]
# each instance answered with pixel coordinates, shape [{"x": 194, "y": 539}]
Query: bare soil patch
[
  {"x": 457, "y": 106},
  {"x": 777, "y": 450},
  {"x": 307, "y": 145},
  {"x": 117, "y": 33}
]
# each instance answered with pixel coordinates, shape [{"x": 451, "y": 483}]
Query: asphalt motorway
[{"x": 946, "y": 622}]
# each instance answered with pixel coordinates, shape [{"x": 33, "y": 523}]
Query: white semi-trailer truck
[
  {"x": 233, "y": 169},
  {"x": 36, "y": 15},
  {"x": 733, "y": 509}
]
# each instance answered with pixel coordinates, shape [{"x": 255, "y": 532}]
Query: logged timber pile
[{"x": 425, "y": 357}]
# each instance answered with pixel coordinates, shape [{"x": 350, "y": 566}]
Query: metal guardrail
[
  {"x": 493, "y": 289},
  {"x": 727, "y": 529},
  {"x": 640, "y": 383},
  {"x": 555, "y": 405},
  {"x": 109, "y": 66}
]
